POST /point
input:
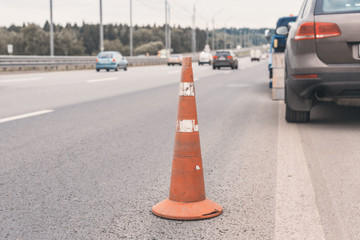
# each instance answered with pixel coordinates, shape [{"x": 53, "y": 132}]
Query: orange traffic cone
[{"x": 187, "y": 200}]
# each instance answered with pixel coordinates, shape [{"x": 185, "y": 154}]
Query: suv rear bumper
[{"x": 333, "y": 84}]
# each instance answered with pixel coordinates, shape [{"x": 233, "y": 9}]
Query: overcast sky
[{"x": 236, "y": 13}]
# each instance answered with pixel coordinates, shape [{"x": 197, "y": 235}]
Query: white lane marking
[
  {"x": 25, "y": 115},
  {"x": 187, "y": 126},
  {"x": 228, "y": 72},
  {"x": 297, "y": 215},
  {"x": 20, "y": 80},
  {"x": 101, "y": 80},
  {"x": 186, "y": 89}
]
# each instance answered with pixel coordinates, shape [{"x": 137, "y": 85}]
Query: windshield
[
  {"x": 339, "y": 6},
  {"x": 105, "y": 55}
]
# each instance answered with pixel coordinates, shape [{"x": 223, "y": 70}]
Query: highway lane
[
  {"x": 24, "y": 93},
  {"x": 94, "y": 167}
]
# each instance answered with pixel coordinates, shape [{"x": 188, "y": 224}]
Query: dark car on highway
[
  {"x": 322, "y": 58},
  {"x": 225, "y": 58}
]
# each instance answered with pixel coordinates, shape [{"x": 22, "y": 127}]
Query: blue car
[
  {"x": 278, "y": 42},
  {"x": 110, "y": 60}
]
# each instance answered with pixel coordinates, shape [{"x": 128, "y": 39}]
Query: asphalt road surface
[{"x": 85, "y": 155}]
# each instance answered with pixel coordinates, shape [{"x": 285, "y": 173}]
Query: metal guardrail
[
  {"x": 35, "y": 61},
  {"x": 63, "y": 63},
  {"x": 46, "y": 63}
]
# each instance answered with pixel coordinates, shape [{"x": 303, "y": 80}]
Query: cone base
[{"x": 187, "y": 211}]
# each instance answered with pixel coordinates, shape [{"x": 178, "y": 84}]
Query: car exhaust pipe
[{"x": 320, "y": 95}]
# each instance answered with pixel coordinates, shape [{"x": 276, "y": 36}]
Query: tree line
[{"x": 74, "y": 40}]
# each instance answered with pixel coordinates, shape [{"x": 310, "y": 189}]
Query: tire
[
  {"x": 168, "y": 64},
  {"x": 107, "y": 70},
  {"x": 296, "y": 116},
  {"x": 214, "y": 67},
  {"x": 270, "y": 74},
  {"x": 218, "y": 68},
  {"x": 236, "y": 67},
  {"x": 98, "y": 70},
  {"x": 232, "y": 67},
  {"x": 116, "y": 69},
  {"x": 125, "y": 69}
]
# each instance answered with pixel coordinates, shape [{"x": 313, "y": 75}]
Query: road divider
[
  {"x": 278, "y": 85},
  {"x": 187, "y": 199},
  {"x": 27, "y": 115}
]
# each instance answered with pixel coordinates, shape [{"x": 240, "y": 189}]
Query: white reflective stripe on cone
[
  {"x": 187, "y": 126},
  {"x": 187, "y": 89}
]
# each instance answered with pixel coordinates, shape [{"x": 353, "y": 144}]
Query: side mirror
[
  {"x": 267, "y": 35},
  {"x": 282, "y": 30}
]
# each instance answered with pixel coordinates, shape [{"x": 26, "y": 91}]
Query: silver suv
[{"x": 322, "y": 59}]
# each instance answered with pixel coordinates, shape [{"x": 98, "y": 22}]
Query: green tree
[
  {"x": 36, "y": 40},
  {"x": 152, "y": 48}
]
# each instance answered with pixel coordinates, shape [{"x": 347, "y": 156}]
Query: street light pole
[
  {"x": 51, "y": 31},
  {"x": 166, "y": 29},
  {"x": 101, "y": 29},
  {"x": 169, "y": 29},
  {"x": 225, "y": 32},
  {"x": 193, "y": 45},
  {"x": 131, "y": 30},
  {"x": 213, "y": 34}
]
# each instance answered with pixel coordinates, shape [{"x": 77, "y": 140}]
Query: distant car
[
  {"x": 225, "y": 58},
  {"x": 110, "y": 60},
  {"x": 322, "y": 59},
  {"x": 175, "y": 59},
  {"x": 205, "y": 58},
  {"x": 255, "y": 54}
]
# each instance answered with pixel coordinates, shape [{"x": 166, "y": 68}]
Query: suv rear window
[{"x": 337, "y": 6}]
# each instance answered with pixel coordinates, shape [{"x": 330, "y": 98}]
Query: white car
[
  {"x": 205, "y": 57},
  {"x": 175, "y": 59}
]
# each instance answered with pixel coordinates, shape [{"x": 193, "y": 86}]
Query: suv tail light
[
  {"x": 114, "y": 60},
  {"x": 310, "y": 30},
  {"x": 229, "y": 57},
  {"x": 97, "y": 59},
  {"x": 325, "y": 30},
  {"x": 305, "y": 31},
  {"x": 215, "y": 57}
]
